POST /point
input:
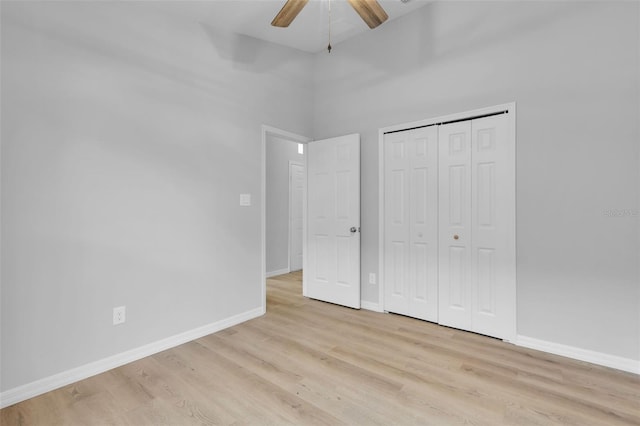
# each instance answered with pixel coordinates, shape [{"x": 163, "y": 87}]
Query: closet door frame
[{"x": 510, "y": 109}]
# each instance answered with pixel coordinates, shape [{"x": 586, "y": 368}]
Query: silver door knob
[{"x": 353, "y": 229}]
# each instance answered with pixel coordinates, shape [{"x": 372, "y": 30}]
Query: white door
[
  {"x": 493, "y": 254},
  {"x": 296, "y": 191},
  {"x": 411, "y": 223},
  {"x": 477, "y": 227},
  {"x": 455, "y": 225},
  {"x": 332, "y": 255}
]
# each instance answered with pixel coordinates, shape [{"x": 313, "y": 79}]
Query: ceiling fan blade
[
  {"x": 288, "y": 13},
  {"x": 370, "y": 11}
]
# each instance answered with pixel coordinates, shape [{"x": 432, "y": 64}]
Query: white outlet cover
[
  {"x": 372, "y": 278},
  {"x": 119, "y": 315},
  {"x": 245, "y": 199}
]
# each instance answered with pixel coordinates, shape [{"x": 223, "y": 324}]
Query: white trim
[
  {"x": 510, "y": 107},
  {"x": 370, "y": 306},
  {"x": 381, "y": 218},
  {"x": 607, "y": 360},
  {"x": 277, "y": 272},
  {"x": 305, "y": 200},
  {"x": 30, "y": 390},
  {"x": 265, "y": 132}
]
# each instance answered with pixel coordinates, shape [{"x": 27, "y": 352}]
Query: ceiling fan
[{"x": 369, "y": 10}]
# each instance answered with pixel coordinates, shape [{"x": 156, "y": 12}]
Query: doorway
[{"x": 280, "y": 151}]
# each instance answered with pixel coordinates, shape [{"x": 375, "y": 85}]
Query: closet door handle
[{"x": 456, "y": 236}]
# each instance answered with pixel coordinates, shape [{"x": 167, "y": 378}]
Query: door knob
[
  {"x": 455, "y": 237},
  {"x": 353, "y": 229}
]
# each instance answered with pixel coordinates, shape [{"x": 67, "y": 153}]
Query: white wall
[
  {"x": 573, "y": 69},
  {"x": 128, "y": 133},
  {"x": 279, "y": 152}
]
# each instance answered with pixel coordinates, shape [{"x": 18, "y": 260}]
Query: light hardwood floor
[{"x": 308, "y": 362}]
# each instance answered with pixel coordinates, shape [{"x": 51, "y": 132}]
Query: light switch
[{"x": 245, "y": 199}]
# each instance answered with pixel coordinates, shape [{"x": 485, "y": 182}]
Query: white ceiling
[{"x": 308, "y": 32}]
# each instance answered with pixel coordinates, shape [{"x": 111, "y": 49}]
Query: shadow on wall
[
  {"x": 247, "y": 53},
  {"x": 143, "y": 55},
  {"x": 182, "y": 60},
  {"x": 129, "y": 99},
  {"x": 438, "y": 36}
]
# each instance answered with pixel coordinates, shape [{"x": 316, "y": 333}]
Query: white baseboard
[
  {"x": 370, "y": 306},
  {"x": 278, "y": 272},
  {"x": 613, "y": 361},
  {"x": 21, "y": 393}
]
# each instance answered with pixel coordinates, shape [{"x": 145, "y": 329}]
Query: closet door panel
[
  {"x": 411, "y": 223},
  {"x": 493, "y": 228},
  {"x": 397, "y": 225},
  {"x": 455, "y": 225},
  {"x": 423, "y": 277}
]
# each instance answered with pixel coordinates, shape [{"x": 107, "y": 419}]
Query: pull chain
[{"x": 329, "y": 46}]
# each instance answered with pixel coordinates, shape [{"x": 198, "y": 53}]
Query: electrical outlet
[
  {"x": 119, "y": 315},
  {"x": 372, "y": 278}
]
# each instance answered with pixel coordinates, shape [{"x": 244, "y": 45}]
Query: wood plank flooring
[{"x": 306, "y": 362}]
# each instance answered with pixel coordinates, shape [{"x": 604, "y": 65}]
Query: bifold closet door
[
  {"x": 411, "y": 223},
  {"x": 477, "y": 227}
]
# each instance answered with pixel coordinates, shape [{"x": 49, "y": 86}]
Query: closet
[{"x": 449, "y": 224}]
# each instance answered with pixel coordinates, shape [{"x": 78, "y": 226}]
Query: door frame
[
  {"x": 267, "y": 131},
  {"x": 476, "y": 113},
  {"x": 301, "y": 164}
]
